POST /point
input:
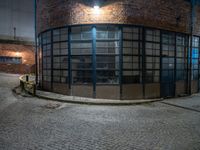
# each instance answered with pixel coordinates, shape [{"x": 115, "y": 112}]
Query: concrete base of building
[
  {"x": 90, "y": 101},
  {"x": 132, "y": 92}
]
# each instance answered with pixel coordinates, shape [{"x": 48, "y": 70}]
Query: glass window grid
[
  {"x": 168, "y": 44},
  {"x": 10, "y": 60},
  {"x": 81, "y": 55},
  {"x": 107, "y": 33},
  {"x": 152, "y": 56},
  {"x": 168, "y": 53},
  {"x": 40, "y": 58},
  {"x": 195, "y": 58},
  {"x": 81, "y": 33},
  {"x": 152, "y": 35},
  {"x": 46, "y": 56},
  {"x": 134, "y": 39},
  {"x": 60, "y": 55},
  {"x": 181, "y": 57},
  {"x": 60, "y": 35},
  {"x": 107, "y": 64},
  {"x": 46, "y": 37},
  {"x": 132, "y": 58}
]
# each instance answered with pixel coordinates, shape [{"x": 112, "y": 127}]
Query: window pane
[
  {"x": 107, "y": 51},
  {"x": 10, "y": 60},
  {"x": 60, "y": 55},
  {"x": 131, "y": 55},
  {"x": 181, "y": 60},
  {"x": 81, "y": 76},
  {"x": 107, "y": 32},
  {"x": 107, "y": 77},
  {"x": 152, "y": 60}
]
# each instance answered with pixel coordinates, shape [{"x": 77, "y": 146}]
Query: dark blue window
[{"x": 10, "y": 60}]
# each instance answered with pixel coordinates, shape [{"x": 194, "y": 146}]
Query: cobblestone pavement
[{"x": 35, "y": 124}]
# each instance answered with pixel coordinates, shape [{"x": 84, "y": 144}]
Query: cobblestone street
[{"x": 28, "y": 123}]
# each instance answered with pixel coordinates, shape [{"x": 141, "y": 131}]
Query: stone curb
[{"x": 90, "y": 101}]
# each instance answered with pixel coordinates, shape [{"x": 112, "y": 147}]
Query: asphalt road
[{"x": 28, "y": 123}]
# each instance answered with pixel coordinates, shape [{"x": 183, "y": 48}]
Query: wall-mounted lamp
[
  {"x": 17, "y": 54},
  {"x": 96, "y": 7},
  {"x": 96, "y": 10}
]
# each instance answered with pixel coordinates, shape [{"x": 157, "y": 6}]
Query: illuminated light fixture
[
  {"x": 96, "y": 10},
  {"x": 17, "y": 53},
  {"x": 96, "y": 7}
]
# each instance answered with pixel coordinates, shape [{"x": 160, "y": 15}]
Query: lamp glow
[
  {"x": 96, "y": 7},
  {"x": 96, "y": 10},
  {"x": 17, "y": 54}
]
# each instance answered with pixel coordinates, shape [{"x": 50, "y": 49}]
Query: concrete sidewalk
[
  {"x": 190, "y": 102},
  {"x": 92, "y": 101}
]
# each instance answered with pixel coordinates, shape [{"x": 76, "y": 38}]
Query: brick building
[
  {"x": 16, "y": 58},
  {"x": 119, "y": 49},
  {"x": 17, "y": 36}
]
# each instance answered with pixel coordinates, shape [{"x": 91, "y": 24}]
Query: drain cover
[{"x": 52, "y": 105}]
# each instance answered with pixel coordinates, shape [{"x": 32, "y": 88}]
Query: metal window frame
[
  {"x": 71, "y": 56},
  {"x": 145, "y": 41},
  {"x": 108, "y": 55},
  {"x": 139, "y": 55},
  {"x": 173, "y": 57},
  {"x": 142, "y": 40}
]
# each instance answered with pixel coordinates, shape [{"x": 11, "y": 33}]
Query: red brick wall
[
  {"x": 197, "y": 21},
  {"x": 157, "y": 13},
  {"x": 14, "y": 50}
]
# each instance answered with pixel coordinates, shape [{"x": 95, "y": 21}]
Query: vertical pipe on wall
[
  {"x": 191, "y": 41},
  {"x": 143, "y": 61},
  {"x": 94, "y": 60},
  {"x": 42, "y": 47},
  {"x": 161, "y": 41},
  {"x": 69, "y": 60},
  {"x": 198, "y": 63},
  {"x": 51, "y": 60},
  {"x": 36, "y": 49},
  {"x": 140, "y": 55},
  {"x": 199, "y": 66},
  {"x": 121, "y": 61},
  {"x": 175, "y": 61},
  {"x": 187, "y": 58}
]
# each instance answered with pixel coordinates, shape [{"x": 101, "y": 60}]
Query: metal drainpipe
[
  {"x": 36, "y": 63},
  {"x": 191, "y": 41}
]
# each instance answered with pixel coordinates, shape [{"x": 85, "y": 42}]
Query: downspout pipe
[
  {"x": 191, "y": 41},
  {"x": 36, "y": 48}
]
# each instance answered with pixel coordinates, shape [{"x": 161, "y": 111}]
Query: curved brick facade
[{"x": 171, "y": 15}]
